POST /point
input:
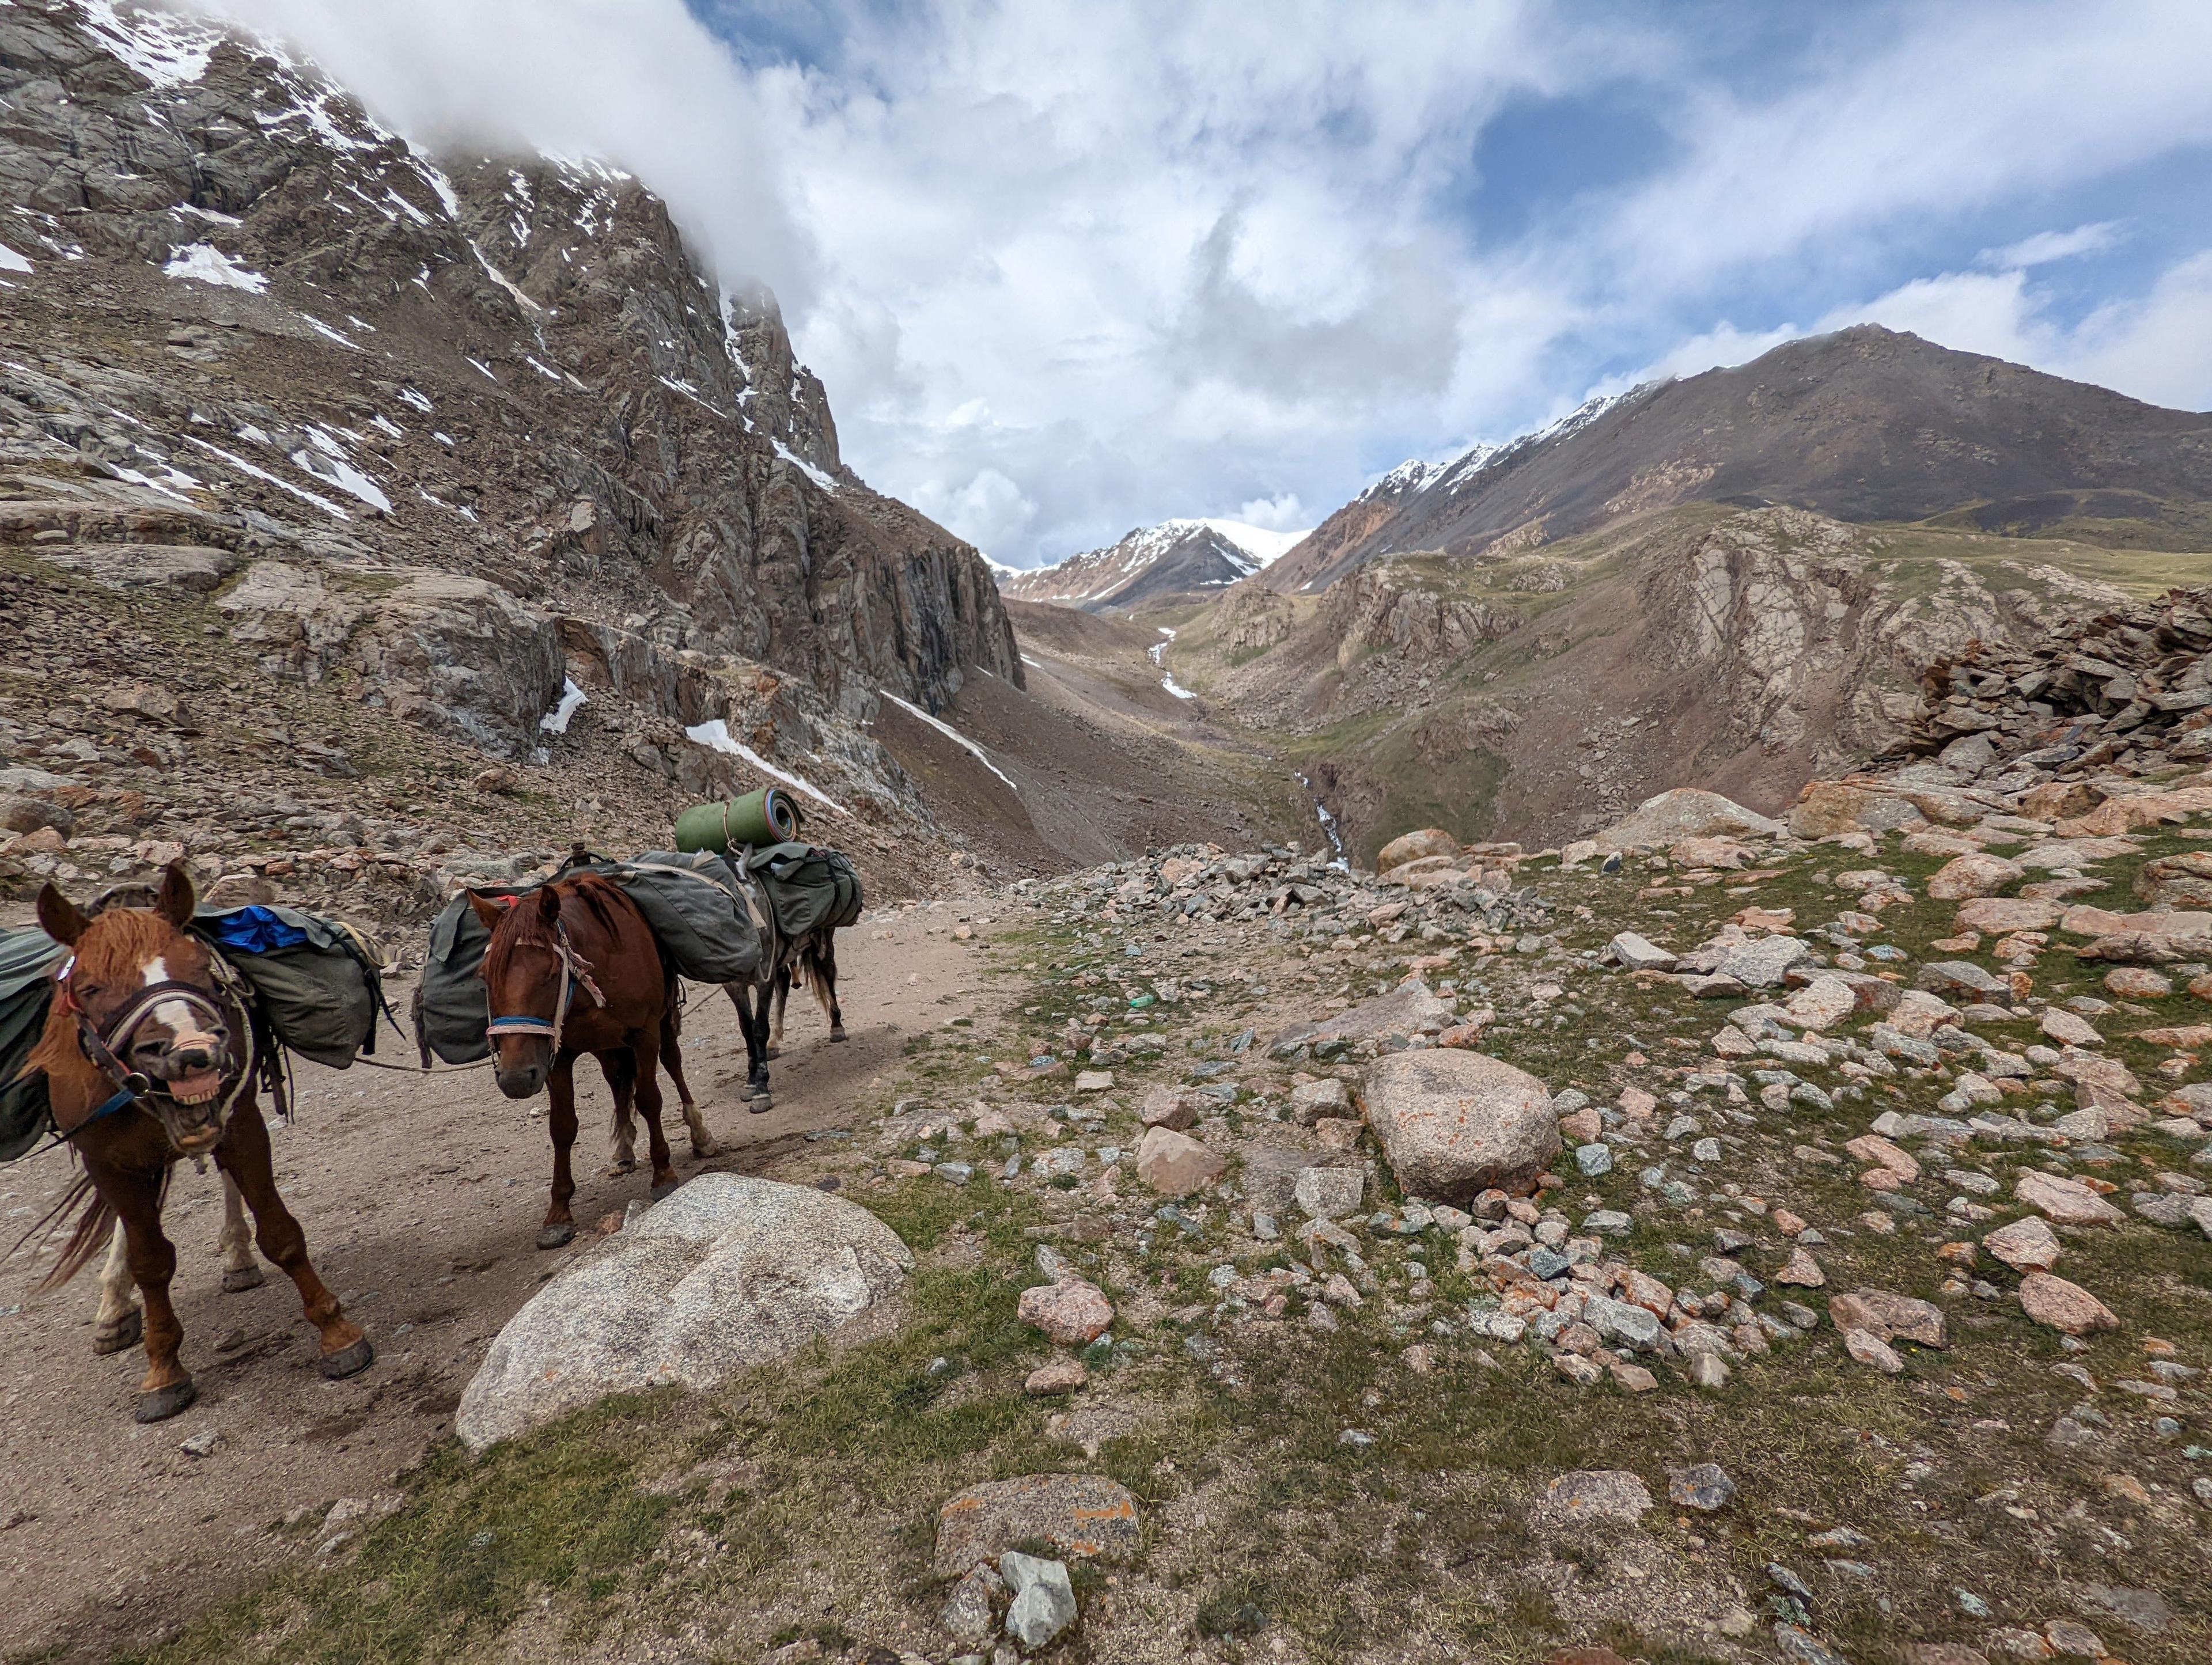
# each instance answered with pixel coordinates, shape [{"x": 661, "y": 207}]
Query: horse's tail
[
  {"x": 89, "y": 1237},
  {"x": 807, "y": 963}
]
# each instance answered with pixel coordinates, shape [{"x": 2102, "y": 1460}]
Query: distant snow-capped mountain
[{"x": 1175, "y": 561}]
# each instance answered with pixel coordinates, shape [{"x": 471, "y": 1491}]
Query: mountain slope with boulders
[
  {"x": 430, "y": 440},
  {"x": 1863, "y": 425},
  {"x": 1733, "y": 581}
]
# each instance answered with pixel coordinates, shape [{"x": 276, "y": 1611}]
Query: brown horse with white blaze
[
  {"x": 573, "y": 967},
  {"x": 149, "y": 1052}
]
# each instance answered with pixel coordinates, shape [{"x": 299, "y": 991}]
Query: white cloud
[
  {"x": 1281, "y": 513},
  {"x": 2045, "y": 246},
  {"x": 989, "y": 510}
]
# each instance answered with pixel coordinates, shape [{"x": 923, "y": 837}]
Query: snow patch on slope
[
  {"x": 952, "y": 734},
  {"x": 204, "y": 263},
  {"x": 715, "y": 734}
]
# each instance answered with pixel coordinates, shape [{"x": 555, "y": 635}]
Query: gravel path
[{"x": 421, "y": 1199}]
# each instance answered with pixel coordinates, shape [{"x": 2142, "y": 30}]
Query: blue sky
[{"x": 1070, "y": 267}]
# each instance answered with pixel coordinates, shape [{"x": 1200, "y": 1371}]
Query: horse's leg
[
  {"x": 119, "y": 1323},
  {"x": 824, "y": 972},
  {"x": 239, "y": 1270},
  {"x": 625, "y": 1129},
  {"x": 136, "y": 1199},
  {"x": 560, "y": 1225},
  {"x": 671, "y": 1059},
  {"x": 781, "y": 989},
  {"x": 756, "y": 1083},
  {"x": 617, "y": 1068},
  {"x": 647, "y": 1086},
  {"x": 243, "y": 1156}
]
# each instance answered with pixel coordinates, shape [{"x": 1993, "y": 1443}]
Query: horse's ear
[
  {"x": 175, "y": 901},
  {"x": 488, "y": 911},
  {"x": 58, "y": 916},
  {"x": 549, "y": 904}
]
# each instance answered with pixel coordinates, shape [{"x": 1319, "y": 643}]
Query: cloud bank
[{"x": 1070, "y": 267}]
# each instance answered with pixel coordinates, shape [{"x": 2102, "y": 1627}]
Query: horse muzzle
[{"x": 521, "y": 1081}]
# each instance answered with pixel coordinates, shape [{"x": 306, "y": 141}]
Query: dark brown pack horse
[
  {"x": 149, "y": 1056},
  {"x": 572, "y": 967}
]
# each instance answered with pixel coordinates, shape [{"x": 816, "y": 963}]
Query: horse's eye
[{"x": 88, "y": 991}]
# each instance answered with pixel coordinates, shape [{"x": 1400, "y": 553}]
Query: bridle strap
[
  {"x": 575, "y": 970},
  {"x": 131, "y": 1085}
]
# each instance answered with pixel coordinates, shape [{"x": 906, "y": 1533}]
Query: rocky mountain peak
[
  {"x": 1183, "y": 560},
  {"x": 355, "y": 372}
]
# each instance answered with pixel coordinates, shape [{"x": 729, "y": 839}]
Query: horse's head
[
  {"x": 150, "y": 1009},
  {"x": 524, "y": 979}
]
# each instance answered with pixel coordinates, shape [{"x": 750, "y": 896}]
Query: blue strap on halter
[
  {"x": 519, "y": 1026},
  {"x": 122, "y": 1100}
]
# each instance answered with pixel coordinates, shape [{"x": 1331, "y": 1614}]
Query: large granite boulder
[
  {"x": 1685, "y": 812},
  {"x": 1411, "y": 1008},
  {"x": 729, "y": 1272},
  {"x": 1454, "y": 1124}
]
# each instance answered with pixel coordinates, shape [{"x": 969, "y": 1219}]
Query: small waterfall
[{"x": 1329, "y": 827}]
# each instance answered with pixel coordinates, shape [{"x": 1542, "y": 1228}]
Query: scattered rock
[
  {"x": 1173, "y": 1106},
  {"x": 1058, "y": 1376},
  {"x": 1312, "y": 1100},
  {"x": 2066, "y": 1201},
  {"x": 2053, "y": 1302},
  {"x": 1594, "y": 1494},
  {"x": 1889, "y": 1316},
  {"x": 2025, "y": 1245},
  {"x": 1802, "y": 1271},
  {"x": 1415, "y": 847},
  {"x": 1330, "y": 1193},
  {"x": 1635, "y": 953},
  {"x": 1870, "y": 1349},
  {"x": 1082, "y": 1514},
  {"x": 1174, "y": 1164},
  {"x": 1044, "y": 1599},
  {"x": 1704, "y": 1487},
  {"x": 1979, "y": 874},
  {"x": 1071, "y": 1312}
]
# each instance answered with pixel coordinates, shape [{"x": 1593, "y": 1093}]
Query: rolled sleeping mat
[{"x": 762, "y": 818}]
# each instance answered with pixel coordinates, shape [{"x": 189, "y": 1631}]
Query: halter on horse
[{"x": 147, "y": 1017}]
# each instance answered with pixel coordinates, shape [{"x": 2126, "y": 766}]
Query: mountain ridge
[{"x": 1863, "y": 424}]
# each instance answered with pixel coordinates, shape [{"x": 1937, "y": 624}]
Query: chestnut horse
[
  {"x": 573, "y": 967},
  {"x": 149, "y": 1056}
]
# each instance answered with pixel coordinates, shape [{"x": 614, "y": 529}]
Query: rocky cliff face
[{"x": 464, "y": 396}]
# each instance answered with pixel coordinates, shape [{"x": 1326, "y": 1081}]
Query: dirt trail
[{"x": 420, "y": 1198}]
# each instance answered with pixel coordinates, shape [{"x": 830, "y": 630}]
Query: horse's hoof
[
  {"x": 165, "y": 1402},
  {"x": 557, "y": 1236},
  {"x": 702, "y": 1149},
  {"x": 616, "y": 1169},
  {"x": 661, "y": 1192},
  {"x": 349, "y": 1361},
  {"x": 125, "y": 1333},
  {"x": 838, "y": 1033},
  {"x": 239, "y": 1279},
  {"x": 761, "y": 1105},
  {"x": 772, "y": 1054}
]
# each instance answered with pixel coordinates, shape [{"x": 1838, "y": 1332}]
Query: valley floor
[{"x": 1373, "y": 1437}]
